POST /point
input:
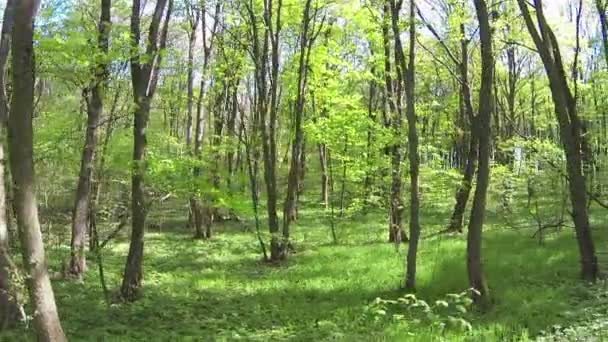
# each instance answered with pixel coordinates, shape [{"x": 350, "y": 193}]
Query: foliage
[{"x": 444, "y": 314}]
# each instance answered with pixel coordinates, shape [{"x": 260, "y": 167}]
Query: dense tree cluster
[{"x": 244, "y": 107}]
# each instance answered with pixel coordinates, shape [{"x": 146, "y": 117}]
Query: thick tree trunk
[
  {"x": 10, "y": 309},
  {"x": 477, "y": 279},
  {"x": 133, "y": 276},
  {"x": 80, "y": 214},
  {"x": 46, "y": 318}
]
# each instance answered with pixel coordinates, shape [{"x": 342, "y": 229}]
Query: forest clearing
[{"x": 303, "y": 170}]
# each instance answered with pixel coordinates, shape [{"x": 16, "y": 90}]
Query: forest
[{"x": 303, "y": 170}]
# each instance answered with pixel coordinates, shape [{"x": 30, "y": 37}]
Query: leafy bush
[{"x": 449, "y": 313}]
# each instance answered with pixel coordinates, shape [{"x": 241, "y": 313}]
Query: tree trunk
[
  {"x": 80, "y": 214},
  {"x": 190, "y": 70},
  {"x": 10, "y": 309},
  {"x": 324, "y": 175},
  {"x": 477, "y": 279},
  {"x": 570, "y": 129},
  {"x": 46, "y": 318},
  {"x": 144, "y": 78},
  {"x": 132, "y": 280},
  {"x": 414, "y": 158},
  {"x": 393, "y": 94},
  {"x": 290, "y": 210},
  {"x": 601, "y": 10},
  {"x": 278, "y": 246},
  {"x": 195, "y": 207},
  {"x": 463, "y": 193}
]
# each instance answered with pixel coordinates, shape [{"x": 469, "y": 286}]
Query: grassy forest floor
[{"x": 221, "y": 290}]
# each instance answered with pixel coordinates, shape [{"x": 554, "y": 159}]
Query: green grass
[{"x": 220, "y": 290}]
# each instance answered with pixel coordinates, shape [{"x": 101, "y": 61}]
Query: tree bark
[
  {"x": 196, "y": 210},
  {"x": 324, "y": 175},
  {"x": 193, "y": 18},
  {"x": 601, "y": 10},
  {"x": 570, "y": 130},
  {"x": 393, "y": 94},
  {"x": 144, "y": 77},
  {"x": 94, "y": 102},
  {"x": 464, "y": 191},
  {"x": 46, "y": 318},
  {"x": 10, "y": 308},
  {"x": 414, "y": 157},
  {"x": 290, "y": 209},
  {"x": 477, "y": 279}
]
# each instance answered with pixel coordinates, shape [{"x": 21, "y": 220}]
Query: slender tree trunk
[
  {"x": 414, "y": 157},
  {"x": 290, "y": 210},
  {"x": 570, "y": 130},
  {"x": 324, "y": 175},
  {"x": 463, "y": 192},
  {"x": 196, "y": 210},
  {"x": 477, "y": 279},
  {"x": 193, "y": 17},
  {"x": 144, "y": 79},
  {"x": 278, "y": 246},
  {"x": 80, "y": 214},
  {"x": 265, "y": 45},
  {"x": 370, "y": 136},
  {"x": 601, "y": 10},
  {"x": 393, "y": 94},
  {"x": 46, "y": 318}
]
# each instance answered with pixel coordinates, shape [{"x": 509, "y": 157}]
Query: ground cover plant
[{"x": 303, "y": 170}]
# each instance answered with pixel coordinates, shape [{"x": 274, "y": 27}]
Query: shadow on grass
[{"x": 221, "y": 290}]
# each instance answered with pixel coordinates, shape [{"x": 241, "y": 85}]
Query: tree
[
  {"x": 466, "y": 112},
  {"x": 144, "y": 78},
  {"x": 601, "y": 5},
  {"x": 308, "y": 36},
  {"x": 406, "y": 78},
  {"x": 194, "y": 17},
  {"x": 208, "y": 42},
  {"x": 265, "y": 54},
  {"x": 46, "y": 318},
  {"x": 482, "y": 126},
  {"x": 394, "y": 101},
  {"x": 93, "y": 94},
  {"x": 11, "y": 309},
  {"x": 413, "y": 155},
  {"x": 570, "y": 131}
]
